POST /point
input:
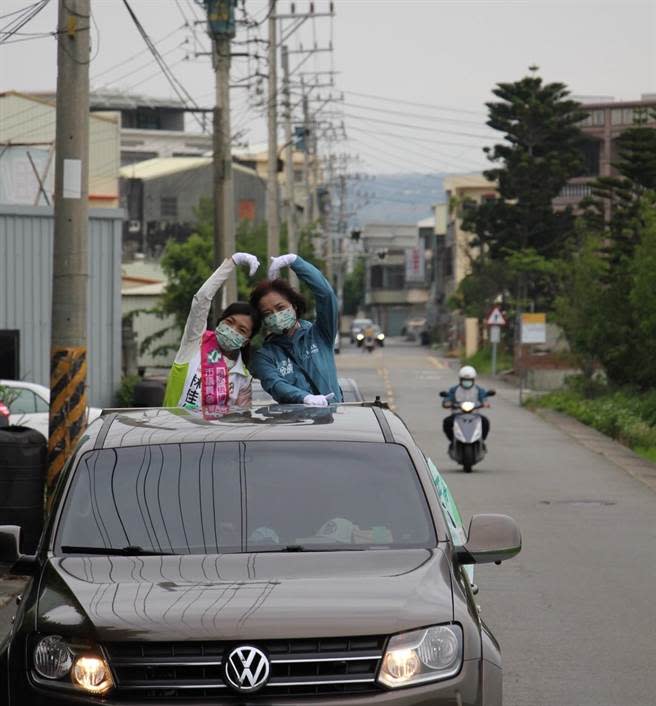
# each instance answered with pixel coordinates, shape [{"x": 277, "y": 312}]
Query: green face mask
[
  {"x": 229, "y": 339},
  {"x": 280, "y": 321}
]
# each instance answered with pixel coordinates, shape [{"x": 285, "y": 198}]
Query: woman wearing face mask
[
  {"x": 209, "y": 371},
  {"x": 296, "y": 364}
]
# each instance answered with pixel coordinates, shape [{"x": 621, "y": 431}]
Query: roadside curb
[{"x": 622, "y": 456}]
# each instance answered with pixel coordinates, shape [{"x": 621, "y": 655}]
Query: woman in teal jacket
[{"x": 296, "y": 364}]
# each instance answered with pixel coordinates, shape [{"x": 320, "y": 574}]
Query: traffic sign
[
  {"x": 496, "y": 318},
  {"x": 534, "y": 328}
]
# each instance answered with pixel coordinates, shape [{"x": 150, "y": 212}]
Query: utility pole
[
  {"x": 68, "y": 344},
  {"x": 224, "y": 216},
  {"x": 308, "y": 216},
  {"x": 292, "y": 239},
  {"x": 273, "y": 231},
  {"x": 221, "y": 27}
]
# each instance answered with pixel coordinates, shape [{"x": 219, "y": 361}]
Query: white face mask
[{"x": 467, "y": 384}]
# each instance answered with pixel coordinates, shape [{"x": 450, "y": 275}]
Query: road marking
[{"x": 437, "y": 362}]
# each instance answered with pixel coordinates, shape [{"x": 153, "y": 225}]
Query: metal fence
[{"x": 26, "y": 253}]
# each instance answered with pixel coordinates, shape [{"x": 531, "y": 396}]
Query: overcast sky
[{"x": 443, "y": 54}]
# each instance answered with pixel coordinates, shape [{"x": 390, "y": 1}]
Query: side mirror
[
  {"x": 491, "y": 393},
  {"x": 443, "y": 393},
  {"x": 10, "y": 557},
  {"x": 491, "y": 538}
]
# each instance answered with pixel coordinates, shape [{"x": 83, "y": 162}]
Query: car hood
[{"x": 245, "y": 596}]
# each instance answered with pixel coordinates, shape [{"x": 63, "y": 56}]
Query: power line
[
  {"x": 17, "y": 24},
  {"x": 419, "y": 116},
  {"x": 430, "y": 106},
  {"x": 179, "y": 89},
  {"x": 412, "y": 126}
]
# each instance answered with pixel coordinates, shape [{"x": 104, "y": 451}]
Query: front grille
[{"x": 194, "y": 670}]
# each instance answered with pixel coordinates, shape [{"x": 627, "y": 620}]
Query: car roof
[{"x": 355, "y": 422}]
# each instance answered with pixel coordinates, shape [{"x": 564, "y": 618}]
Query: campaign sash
[{"x": 215, "y": 385}]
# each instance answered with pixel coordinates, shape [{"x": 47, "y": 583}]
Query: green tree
[
  {"x": 541, "y": 151},
  {"x": 354, "y": 289}
]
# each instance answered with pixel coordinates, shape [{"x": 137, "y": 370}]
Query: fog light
[
  {"x": 92, "y": 674},
  {"x": 401, "y": 665},
  {"x": 52, "y": 657}
]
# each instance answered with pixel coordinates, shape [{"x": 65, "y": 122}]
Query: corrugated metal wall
[{"x": 26, "y": 245}]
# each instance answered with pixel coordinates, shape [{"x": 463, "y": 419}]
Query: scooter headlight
[
  {"x": 360, "y": 337},
  {"x": 467, "y": 407},
  {"x": 381, "y": 336}
]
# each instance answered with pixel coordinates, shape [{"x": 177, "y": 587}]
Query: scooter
[
  {"x": 369, "y": 343},
  {"x": 468, "y": 447}
]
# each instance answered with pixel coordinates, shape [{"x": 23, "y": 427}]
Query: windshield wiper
[
  {"x": 309, "y": 548},
  {"x": 113, "y": 551}
]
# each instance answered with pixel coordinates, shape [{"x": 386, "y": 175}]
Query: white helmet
[{"x": 467, "y": 372}]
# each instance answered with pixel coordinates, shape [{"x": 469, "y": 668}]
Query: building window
[
  {"x": 148, "y": 119},
  {"x": 627, "y": 116},
  {"x": 376, "y": 276},
  {"x": 169, "y": 207},
  {"x": 133, "y": 157},
  {"x": 591, "y": 151},
  {"x": 598, "y": 118},
  {"x": 587, "y": 121},
  {"x": 298, "y": 175},
  {"x": 616, "y": 116}
]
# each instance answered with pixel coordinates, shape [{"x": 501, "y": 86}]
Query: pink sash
[{"x": 215, "y": 385}]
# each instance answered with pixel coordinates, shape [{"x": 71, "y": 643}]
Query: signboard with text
[
  {"x": 415, "y": 265},
  {"x": 534, "y": 328}
]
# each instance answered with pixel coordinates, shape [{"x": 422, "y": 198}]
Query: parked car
[
  {"x": 349, "y": 388},
  {"x": 288, "y": 554},
  {"x": 357, "y": 326},
  {"x": 29, "y": 405}
]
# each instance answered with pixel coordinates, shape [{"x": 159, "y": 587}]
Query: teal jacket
[{"x": 291, "y": 367}]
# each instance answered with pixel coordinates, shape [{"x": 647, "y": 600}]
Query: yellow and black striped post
[{"x": 68, "y": 407}]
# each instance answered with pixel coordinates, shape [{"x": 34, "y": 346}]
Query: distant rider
[{"x": 465, "y": 391}]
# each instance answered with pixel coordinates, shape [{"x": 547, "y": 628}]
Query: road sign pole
[{"x": 494, "y": 359}]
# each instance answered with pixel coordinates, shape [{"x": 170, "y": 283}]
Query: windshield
[{"x": 204, "y": 498}]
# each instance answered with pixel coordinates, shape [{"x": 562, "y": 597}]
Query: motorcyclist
[
  {"x": 369, "y": 337},
  {"x": 465, "y": 391}
]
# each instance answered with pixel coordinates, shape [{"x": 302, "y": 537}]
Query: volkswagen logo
[{"x": 247, "y": 669}]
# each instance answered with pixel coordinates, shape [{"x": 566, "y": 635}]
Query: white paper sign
[
  {"x": 72, "y": 187},
  {"x": 495, "y": 334}
]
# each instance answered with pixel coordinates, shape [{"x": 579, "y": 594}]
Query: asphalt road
[{"x": 574, "y": 612}]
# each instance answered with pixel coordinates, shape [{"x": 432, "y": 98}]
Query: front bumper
[{"x": 463, "y": 690}]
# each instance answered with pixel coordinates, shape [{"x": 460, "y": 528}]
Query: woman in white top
[{"x": 209, "y": 371}]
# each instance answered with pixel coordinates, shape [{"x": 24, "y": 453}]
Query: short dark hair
[
  {"x": 246, "y": 309},
  {"x": 282, "y": 287}
]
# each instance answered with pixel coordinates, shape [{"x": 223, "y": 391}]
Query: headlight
[
  {"x": 52, "y": 657},
  {"x": 92, "y": 674},
  {"x": 360, "y": 337},
  {"x": 422, "y": 656},
  {"x": 381, "y": 336},
  {"x": 467, "y": 407}
]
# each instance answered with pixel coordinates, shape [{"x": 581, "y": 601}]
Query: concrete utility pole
[
  {"x": 292, "y": 237},
  {"x": 308, "y": 216},
  {"x": 273, "y": 218},
  {"x": 224, "y": 215},
  {"x": 68, "y": 345}
]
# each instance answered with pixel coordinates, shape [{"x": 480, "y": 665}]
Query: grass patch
[
  {"x": 625, "y": 415},
  {"x": 482, "y": 360}
]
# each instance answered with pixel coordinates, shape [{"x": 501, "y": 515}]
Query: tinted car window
[
  {"x": 187, "y": 498},
  {"x": 180, "y": 498},
  {"x": 335, "y": 495},
  {"x": 22, "y": 401}
]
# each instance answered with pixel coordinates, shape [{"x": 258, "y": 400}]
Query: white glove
[
  {"x": 244, "y": 258},
  {"x": 277, "y": 263},
  {"x": 318, "y": 400}
]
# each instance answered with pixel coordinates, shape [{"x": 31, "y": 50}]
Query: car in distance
[
  {"x": 290, "y": 554},
  {"x": 29, "y": 405},
  {"x": 357, "y": 326}
]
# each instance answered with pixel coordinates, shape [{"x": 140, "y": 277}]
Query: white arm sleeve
[{"x": 200, "y": 309}]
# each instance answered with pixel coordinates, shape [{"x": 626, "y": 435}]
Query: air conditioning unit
[{"x": 134, "y": 226}]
